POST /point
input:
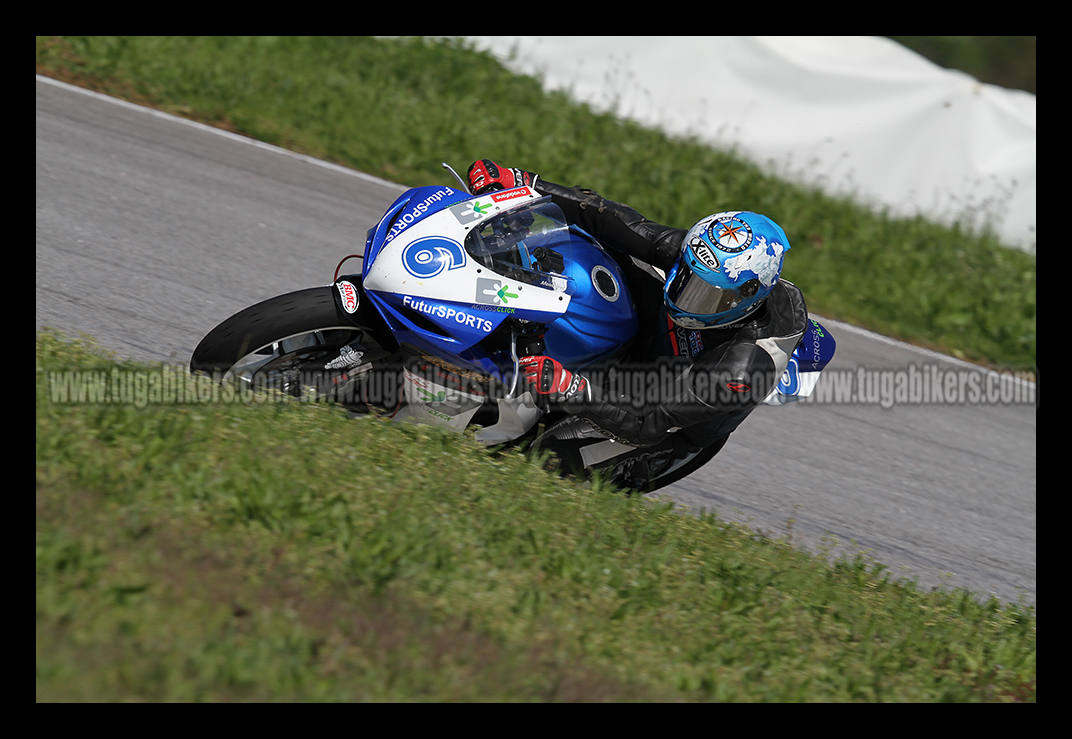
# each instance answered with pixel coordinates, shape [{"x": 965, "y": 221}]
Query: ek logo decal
[{"x": 493, "y": 292}]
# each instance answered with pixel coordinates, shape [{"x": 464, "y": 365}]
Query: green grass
[
  {"x": 273, "y": 551},
  {"x": 396, "y": 108}
]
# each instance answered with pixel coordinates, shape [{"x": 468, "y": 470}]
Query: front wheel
[{"x": 301, "y": 343}]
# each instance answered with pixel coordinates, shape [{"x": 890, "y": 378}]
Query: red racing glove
[
  {"x": 550, "y": 380},
  {"x": 485, "y": 176}
]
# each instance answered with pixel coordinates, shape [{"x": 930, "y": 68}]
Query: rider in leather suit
[{"x": 722, "y": 317}]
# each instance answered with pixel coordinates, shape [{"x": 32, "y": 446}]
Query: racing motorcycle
[{"x": 453, "y": 290}]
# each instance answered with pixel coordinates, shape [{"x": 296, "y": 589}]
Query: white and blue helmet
[{"x": 728, "y": 265}]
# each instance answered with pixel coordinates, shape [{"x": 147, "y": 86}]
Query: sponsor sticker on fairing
[
  {"x": 414, "y": 213},
  {"x": 472, "y": 210},
  {"x": 519, "y": 192},
  {"x": 447, "y": 313},
  {"x": 475, "y": 210},
  {"x": 348, "y": 293}
]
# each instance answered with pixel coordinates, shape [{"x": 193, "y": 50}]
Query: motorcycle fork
[{"x": 525, "y": 341}]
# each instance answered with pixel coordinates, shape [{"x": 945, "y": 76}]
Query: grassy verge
[
  {"x": 270, "y": 551},
  {"x": 398, "y": 107}
]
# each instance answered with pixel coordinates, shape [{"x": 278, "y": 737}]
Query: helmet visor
[{"x": 695, "y": 296}]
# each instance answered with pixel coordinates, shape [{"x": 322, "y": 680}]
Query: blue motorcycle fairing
[
  {"x": 441, "y": 325},
  {"x": 447, "y": 328},
  {"x": 598, "y": 322},
  {"x": 601, "y": 318},
  {"x": 814, "y": 351},
  {"x": 410, "y": 207}
]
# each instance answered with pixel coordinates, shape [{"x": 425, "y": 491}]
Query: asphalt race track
[{"x": 151, "y": 230}]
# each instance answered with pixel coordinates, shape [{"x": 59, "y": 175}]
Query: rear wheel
[{"x": 301, "y": 343}]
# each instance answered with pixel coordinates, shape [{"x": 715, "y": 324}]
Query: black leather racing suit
[{"x": 706, "y": 381}]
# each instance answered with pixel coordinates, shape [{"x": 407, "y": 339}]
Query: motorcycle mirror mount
[
  {"x": 517, "y": 363},
  {"x": 456, "y": 176}
]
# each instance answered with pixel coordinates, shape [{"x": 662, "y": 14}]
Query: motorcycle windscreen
[{"x": 529, "y": 244}]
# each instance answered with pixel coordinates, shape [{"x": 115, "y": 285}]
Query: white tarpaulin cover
[{"x": 854, "y": 114}]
